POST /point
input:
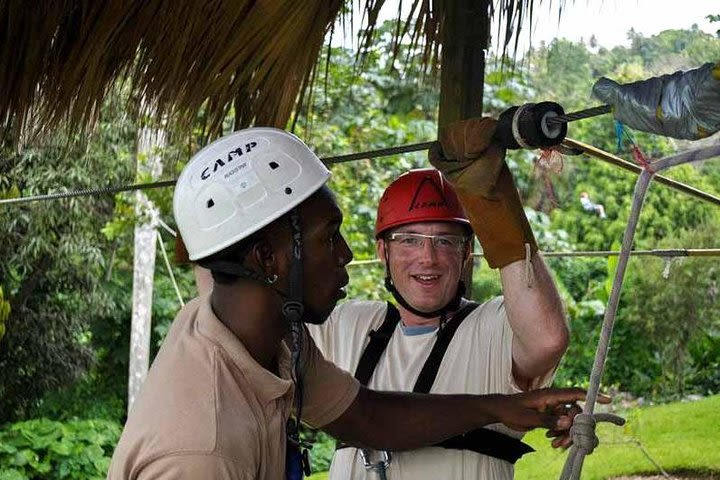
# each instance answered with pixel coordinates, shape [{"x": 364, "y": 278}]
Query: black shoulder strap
[
  {"x": 425, "y": 380},
  {"x": 379, "y": 340}
]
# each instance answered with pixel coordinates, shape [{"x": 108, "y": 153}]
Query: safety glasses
[{"x": 416, "y": 241}]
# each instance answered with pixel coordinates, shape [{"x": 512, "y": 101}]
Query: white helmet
[{"x": 240, "y": 183}]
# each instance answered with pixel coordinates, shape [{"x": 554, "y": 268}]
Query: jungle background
[{"x": 66, "y": 274}]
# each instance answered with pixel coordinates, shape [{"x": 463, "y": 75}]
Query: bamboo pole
[{"x": 631, "y": 167}]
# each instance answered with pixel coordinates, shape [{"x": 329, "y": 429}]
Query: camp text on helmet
[{"x": 232, "y": 155}]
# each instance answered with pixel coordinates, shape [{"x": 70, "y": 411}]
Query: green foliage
[
  {"x": 681, "y": 317},
  {"x": 585, "y": 320},
  {"x": 54, "y": 450},
  {"x": 100, "y": 393},
  {"x": 323, "y": 449},
  {"x": 54, "y": 260},
  {"x": 93, "y": 397},
  {"x": 704, "y": 370},
  {"x": 486, "y": 282},
  {"x": 4, "y": 313},
  {"x": 67, "y": 271}
]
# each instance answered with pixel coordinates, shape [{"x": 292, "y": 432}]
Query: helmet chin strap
[
  {"x": 293, "y": 311},
  {"x": 442, "y": 312}
]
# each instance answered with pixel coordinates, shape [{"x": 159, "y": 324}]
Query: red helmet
[{"x": 422, "y": 195}]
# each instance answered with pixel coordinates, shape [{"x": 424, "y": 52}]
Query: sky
[{"x": 610, "y": 20}]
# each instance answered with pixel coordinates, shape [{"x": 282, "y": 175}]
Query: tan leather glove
[{"x": 468, "y": 157}]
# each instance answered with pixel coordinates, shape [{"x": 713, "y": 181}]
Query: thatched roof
[{"x": 182, "y": 57}]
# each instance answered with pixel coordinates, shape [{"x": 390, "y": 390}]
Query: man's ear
[
  {"x": 468, "y": 253},
  {"x": 262, "y": 256},
  {"x": 380, "y": 246}
]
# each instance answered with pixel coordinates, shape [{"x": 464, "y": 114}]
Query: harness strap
[
  {"x": 482, "y": 440},
  {"x": 427, "y": 375},
  {"x": 379, "y": 340},
  {"x": 489, "y": 442}
]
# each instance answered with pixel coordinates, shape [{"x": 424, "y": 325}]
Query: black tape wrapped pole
[{"x": 530, "y": 126}]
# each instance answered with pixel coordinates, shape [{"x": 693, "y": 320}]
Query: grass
[
  {"x": 680, "y": 437},
  {"x": 318, "y": 476}
]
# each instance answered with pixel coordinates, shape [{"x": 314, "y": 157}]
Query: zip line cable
[
  {"x": 662, "y": 253},
  {"x": 89, "y": 192},
  {"x": 383, "y": 152},
  {"x": 414, "y": 147},
  {"x": 581, "y": 114}
]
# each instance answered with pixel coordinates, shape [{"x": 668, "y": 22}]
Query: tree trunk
[{"x": 148, "y": 161}]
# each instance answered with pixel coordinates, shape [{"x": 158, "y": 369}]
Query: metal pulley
[{"x": 532, "y": 125}]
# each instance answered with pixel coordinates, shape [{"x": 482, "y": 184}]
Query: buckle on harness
[{"x": 378, "y": 467}]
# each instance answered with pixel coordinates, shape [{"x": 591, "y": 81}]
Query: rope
[
  {"x": 169, "y": 269},
  {"x": 650, "y": 458},
  {"x": 583, "y": 433},
  {"x": 166, "y": 227},
  {"x": 585, "y": 440},
  {"x": 576, "y": 457}
]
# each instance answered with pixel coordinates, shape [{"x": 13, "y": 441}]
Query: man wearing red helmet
[{"x": 435, "y": 340}]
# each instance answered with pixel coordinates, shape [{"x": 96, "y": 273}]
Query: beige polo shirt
[{"x": 208, "y": 410}]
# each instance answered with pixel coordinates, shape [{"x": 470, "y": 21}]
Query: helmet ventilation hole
[
  {"x": 274, "y": 165},
  {"x": 288, "y": 190},
  {"x": 210, "y": 203}
]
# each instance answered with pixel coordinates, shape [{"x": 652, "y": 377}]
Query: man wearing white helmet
[
  {"x": 434, "y": 340},
  {"x": 217, "y": 403}
]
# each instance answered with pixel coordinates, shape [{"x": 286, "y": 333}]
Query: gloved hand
[{"x": 475, "y": 164}]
